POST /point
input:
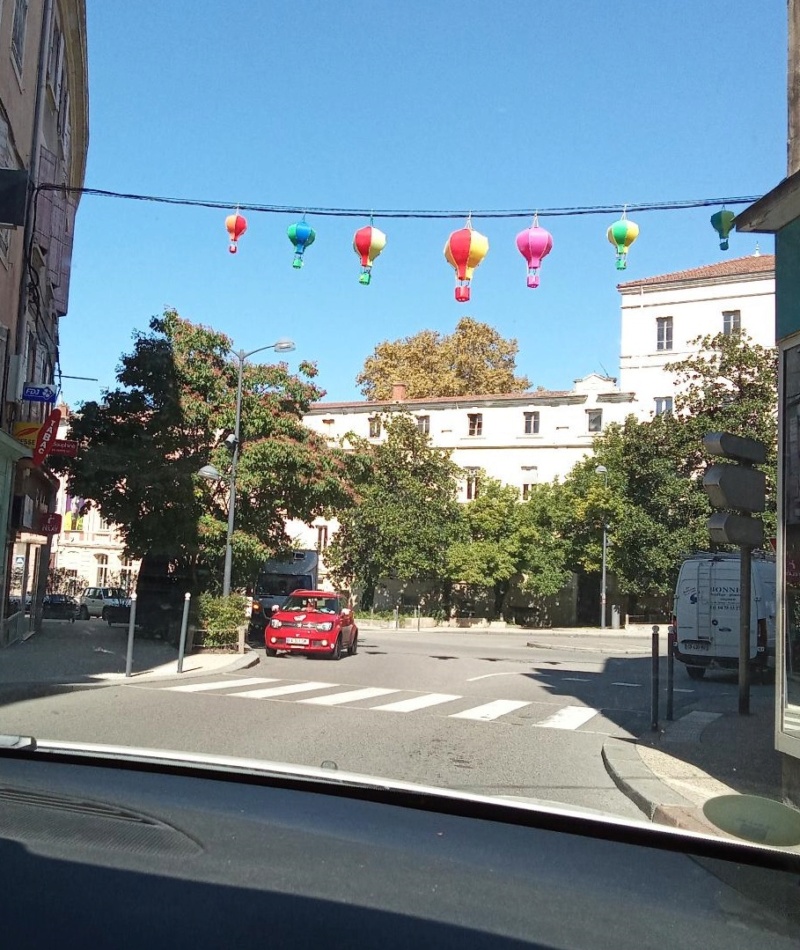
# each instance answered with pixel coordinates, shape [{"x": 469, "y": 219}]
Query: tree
[
  {"x": 654, "y": 505},
  {"x": 500, "y": 542},
  {"x": 474, "y": 360},
  {"x": 406, "y": 515},
  {"x": 144, "y": 443}
]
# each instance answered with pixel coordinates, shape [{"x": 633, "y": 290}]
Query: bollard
[
  {"x": 131, "y": 628},
  {"x": 184, "y": 623},
  {"x": 671, "y": 638},
  {"x": 654, "y": 682}
]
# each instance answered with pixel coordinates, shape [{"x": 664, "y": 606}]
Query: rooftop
[{"x": 753, "y": 265}]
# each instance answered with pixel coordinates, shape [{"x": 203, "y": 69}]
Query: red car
[{"x": 312, "y": 621}]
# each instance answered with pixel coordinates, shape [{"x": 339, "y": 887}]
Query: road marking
[
  {"x": 626, "y": 684},
  {"x": 490, "y": 711},
  {"x": 486, "y": 676},
  {"x": 351, "y": 696},
  {"x": 575, "y": 679},
  {"x": 570, "y": 717},
  {"x": 418, "y": 702},
  {"x": 273, "y": 691},
  {"x": 221, "y": 684},
  {"x": 676, "y": 690}
]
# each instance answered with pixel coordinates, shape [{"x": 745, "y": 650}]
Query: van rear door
[{"x": 723, "y": 595}]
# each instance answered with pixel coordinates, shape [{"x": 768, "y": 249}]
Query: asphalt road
[{"x": 506, "y": 714}]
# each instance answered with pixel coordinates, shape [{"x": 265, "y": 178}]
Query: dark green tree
[
  {"x": 406, "y": 516},
  {"x": 143, "y": 444}
]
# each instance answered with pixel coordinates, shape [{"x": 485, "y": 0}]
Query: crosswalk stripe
[
  {"x": 351, "y": 696},
  {"x": 273, "y": 691},
  {"x": 418, "y": 702},
  {"x": 570, "y": 717},
  {"x": 221, "y": 684},
  {"x": 490, "y": 711}
]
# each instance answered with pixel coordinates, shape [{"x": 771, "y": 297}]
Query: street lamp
[
  {"x": 210, "y": 472},
  {"x": 602, "y": 470}
]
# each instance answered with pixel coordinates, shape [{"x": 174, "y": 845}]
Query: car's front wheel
[
  {"x": 336, "y": 654},
  {"x": 271, "y": 652},
  {"x": 83, "y": 613},
  {"x": 354, "y": 644},
  {"x": 696, "y": 672}
]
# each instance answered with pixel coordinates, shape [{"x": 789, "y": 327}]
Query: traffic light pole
[{"x": 745, "y": 581}]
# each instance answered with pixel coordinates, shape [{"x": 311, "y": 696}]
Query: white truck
[{"x": 706, "y": 613}]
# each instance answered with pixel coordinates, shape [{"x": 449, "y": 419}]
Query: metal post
[
  {"x": 671, "y": 637},
  {"x": 184, "y": 624},
  {"x": 241, "y": 356},
  {"x": 654, "y": 682},
  {"x": 744, "y": 630},
  {"x": 131, "y": 628},
  {"x": 603, "y": 581}
]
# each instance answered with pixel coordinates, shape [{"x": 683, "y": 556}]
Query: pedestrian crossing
[{"x": 537, "y": 714}]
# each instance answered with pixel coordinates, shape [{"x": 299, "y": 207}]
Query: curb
[
  {"x": 240, "y": 661},
  {"x": 657, "y": 800}
]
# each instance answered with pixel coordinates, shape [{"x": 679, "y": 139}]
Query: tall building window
[
  {"x": 594, "y": 420},
  {"x": 18, "y": 32},
  {"x": 731, "y": 321},
  {"x": 664, "y": 333},
  {"x": 663, "y": 405},
  {"x": 424, "y": 424},
  {"x": 126, "y": 573},
  {"x": 374, "y": 427},
  {"x": 475, "y": 423},
  {"x": 472, "y": 483},
  {"x": 531, "y": 423},
  {"x": 322, "y": 537},
  {"x": 102, "y": 570}
]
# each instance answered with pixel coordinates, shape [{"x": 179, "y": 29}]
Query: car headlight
[
  {"x": 256, "y": 607},
  {"x": 325, "y": 626},
  {"x": 275, "y": 623}
]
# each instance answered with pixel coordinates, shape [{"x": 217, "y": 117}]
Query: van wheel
[{"x": 696, "y": 672}]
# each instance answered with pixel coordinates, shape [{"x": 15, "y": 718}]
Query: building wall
[
  {"x": 50, "y": 142},
  {"x": 696, "y": 308}
]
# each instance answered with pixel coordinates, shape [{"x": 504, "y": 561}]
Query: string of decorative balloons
[{"x": 466, "y": 248}]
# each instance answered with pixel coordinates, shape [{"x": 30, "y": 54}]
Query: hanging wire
[{"x": 455, "y": 213}]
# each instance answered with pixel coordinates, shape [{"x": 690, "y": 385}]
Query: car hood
[{"x": 304, "y": 616}]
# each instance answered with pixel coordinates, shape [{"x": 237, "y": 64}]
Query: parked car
[
  {"x": 59, "y": 607},
  {"x": 102, "y": 602},
  {"x": 314, "y": 622}
]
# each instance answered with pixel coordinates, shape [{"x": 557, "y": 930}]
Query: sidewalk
[
  {"x": 672, "y": 774},
  {"x": 89, "y": 652}
]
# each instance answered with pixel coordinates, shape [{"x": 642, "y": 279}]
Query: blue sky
[{"x": 417, "y": 105}]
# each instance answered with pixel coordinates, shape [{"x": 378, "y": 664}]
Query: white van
[{"x": 706, "y": 613}]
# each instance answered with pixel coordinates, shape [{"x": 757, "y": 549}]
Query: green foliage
[
  {"x": 406, "y": 515},
  {"x": 651, "y": 498},
  {"x": 495, "y": 544},
  {"x": 218, "y": 619},
  {"x": 473, "y": 360},
  {"x": 143, "y": 444}
]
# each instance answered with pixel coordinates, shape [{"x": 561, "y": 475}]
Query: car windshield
[
  {"x": 299, "y": 602},
  {"x": 458, "y": 327}
]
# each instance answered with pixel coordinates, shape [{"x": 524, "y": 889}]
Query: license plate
[
  {"x": 701, "y": 645},
  {"x": 298, "y": 641}
]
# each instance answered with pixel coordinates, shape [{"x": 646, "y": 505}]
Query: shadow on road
[
  {"x": 66, "y": 657},
  {"x": 736, "y": 750}
]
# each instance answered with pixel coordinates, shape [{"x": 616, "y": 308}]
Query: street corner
[
  {"x": 195, "y": 664},
  {"x": 635, "y": 779}
]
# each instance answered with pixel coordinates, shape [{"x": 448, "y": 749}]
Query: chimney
[{"x": 399, "y": 392}]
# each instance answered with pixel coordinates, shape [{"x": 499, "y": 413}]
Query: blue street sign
[{"x": 43, "y": 392}]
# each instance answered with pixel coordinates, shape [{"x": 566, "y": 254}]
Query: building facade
[
  {"x": 662, "y": 317},
  {"x": 44, "y": 138}
]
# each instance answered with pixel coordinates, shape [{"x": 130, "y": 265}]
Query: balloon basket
[
  {"x": 462, "y": 294},
  {"x": 297, "y": 263},
  {"x": 364, "y": 278}
]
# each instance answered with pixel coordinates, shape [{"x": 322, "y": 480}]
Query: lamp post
[
  {"x": 602, "y": 470},
  {"x": 282, "y": 346}
]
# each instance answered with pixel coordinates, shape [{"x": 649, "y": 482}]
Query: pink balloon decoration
[{"x": 534, "y": 243}]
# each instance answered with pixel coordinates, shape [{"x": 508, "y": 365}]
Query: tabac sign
[{"x": 46, "y": 437}]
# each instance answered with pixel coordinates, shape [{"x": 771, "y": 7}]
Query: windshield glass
[{"x": 441, "y": 328}]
